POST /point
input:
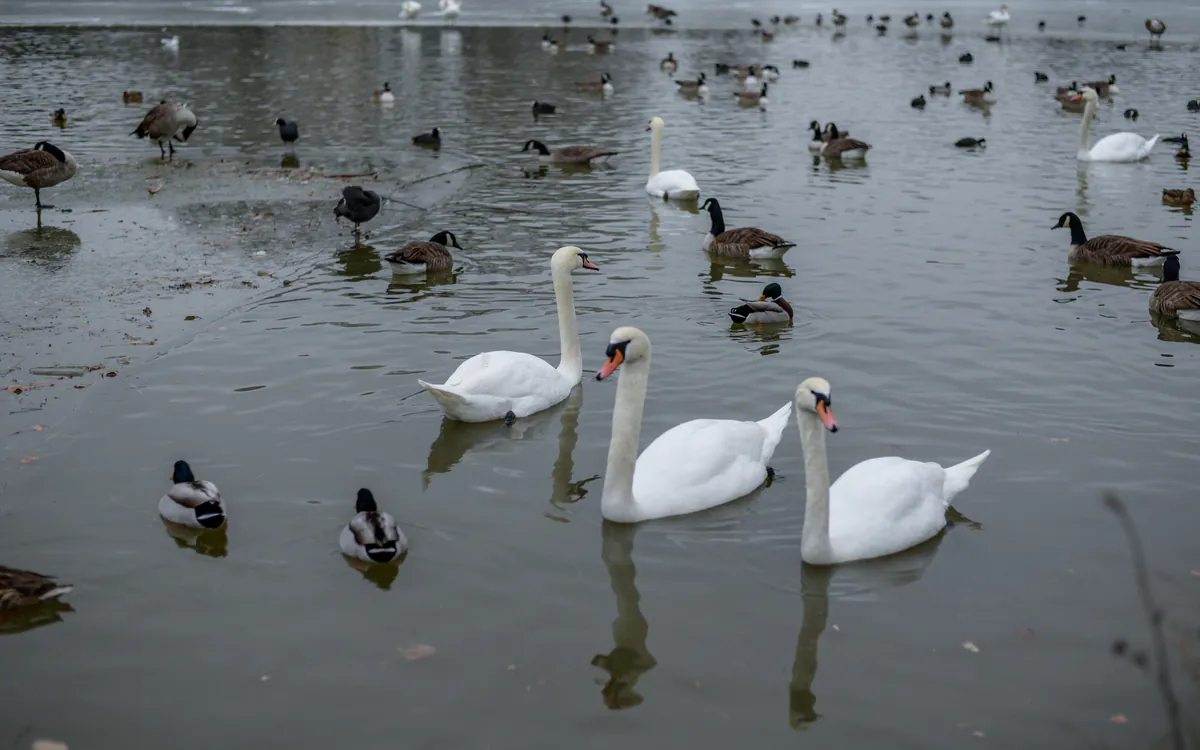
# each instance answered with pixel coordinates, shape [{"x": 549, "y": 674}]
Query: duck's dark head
[
  {"x": 365, "y": 502},
  {"x": 771, "y": 291},
  {"x": 182, "y": 473}
]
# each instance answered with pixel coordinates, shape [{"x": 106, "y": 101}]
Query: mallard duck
[
  {"x": 1109, "y": 249},
  {"x": 579, "y": 155},
  {"x": 913, "y": 20},
  {"x": 419, "y": 257},
  {"x": 771, "y": 307},
  {"x": 979, "y": 97},
  {"x": 971, "y": 142},
  {"x": 945, "y": 89},
  {"x": 357, "y": 205},
  {"x": 668, "y": 64},
  {"x": 131, "y": 97},
  {"x": 21, "y": 588},
  {"x": 384, "y": 94},
  {"x": 1155, "y": 27},
  {"x": 192, "y": 502},
  {"x": 603, "y": 85},
  {"x": 432, "y": 138},
  {"x": 372, "y": 535},
  {"x": 947, "y": 21},
  {"x": 59, "y": 117},
  {"x": 1184, "y": 197},
  {"x": 543, "y": 108},
  {"x": 45, "y": 165},
  {"x": 1182, "y": 140},
  {"x": 165, "y": 122},
  {"x": 789, "y": 20},
  {"x": 1174, "y": 298},
  {"x": 745, "y": 242},
  {"x": 752, "y": 98}
]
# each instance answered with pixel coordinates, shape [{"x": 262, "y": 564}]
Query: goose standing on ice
[
  {"x": 167, "y": 121},
  {"x": 45, "y": 165},
  {"x": 1156, "y": 28}
]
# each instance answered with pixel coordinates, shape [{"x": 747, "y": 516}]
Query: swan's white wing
[
  {"x": 489, "y": 385},
  {"x": 699, "y": 465},
  {"x": 673, "y": 182},
  {"x": 884, "y": 505},
  {"x": 1122, "y": 147}
]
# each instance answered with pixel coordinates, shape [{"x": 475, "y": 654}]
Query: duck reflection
[
  {"x": 455, "y": 439},
  {"x": 416, "y": 283},
  {"x": 207, "y": 542},
  {"x": 359, "y": 261},
  {"x": 853, "y": 579},
  {"x": 44, "y": 245},
  {"x": 719, "y": 268},
  {"x": 380, "y": 574},
  {"x": 629, "y": 658},
  {"x": 32, "y": 617}
]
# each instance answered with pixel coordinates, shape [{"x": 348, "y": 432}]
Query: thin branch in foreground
[{"x": 1154, "y": 614}]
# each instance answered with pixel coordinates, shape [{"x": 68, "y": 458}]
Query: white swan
[
  {"x": 1115, "y": 147},
  {"x": 879, "y": 506},
  {"x": 410, "y": 9},
  {"x": 171, "y": 43},
  {"x": 691, "y": 467},
  {"x": 999, "y": 17},
  {"x": 507, "y": 385},
  {"x": 674, "y": 184},
  {"x": 450, "y": 8}
]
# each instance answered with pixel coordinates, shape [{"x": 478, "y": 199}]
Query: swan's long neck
[
  {"x": 814, "y": 539},
  {"x": 655, "y": 148},
  {"x": 617, "y": 501},
  {"x": 571, "y": 364},
  {"x": 1089, "y": 111}
]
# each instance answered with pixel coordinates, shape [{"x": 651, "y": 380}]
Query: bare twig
[{"x": 1154, "y": 614}]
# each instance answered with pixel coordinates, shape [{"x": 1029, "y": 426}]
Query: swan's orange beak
[
  {"x": 612, "y": 363},
  {"x": 588, "y": 264},
  {"x": 825, "y": 412}
]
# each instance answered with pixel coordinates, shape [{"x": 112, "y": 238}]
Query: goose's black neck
[
  {"x": 1077, "y": 235},
  {"x": 538, "y": 146},
  {"x": 718, "y": 218},
  {"x": 1171, "y": 269}
]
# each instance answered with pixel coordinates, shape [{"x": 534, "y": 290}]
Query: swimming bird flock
[{"x": 878, "y": 507}]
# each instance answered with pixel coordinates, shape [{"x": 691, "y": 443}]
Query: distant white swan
[
  {"x": 171, "y": 43},
  {"x": 674, "y": 184},
  {"x": 410, "y": 9},
  {"x": 1115, "y": 147},
  {"x": 691, "y": 467},
  {"x": 878, "y": 507},
  {"x": 999, "y": 17},
  {"x": 450, "y": 8}
]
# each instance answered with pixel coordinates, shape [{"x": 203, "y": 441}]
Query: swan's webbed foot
[{"x": 509, "y": 418}]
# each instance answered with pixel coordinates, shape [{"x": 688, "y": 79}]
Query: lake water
[{"x": 928, "y": 289}]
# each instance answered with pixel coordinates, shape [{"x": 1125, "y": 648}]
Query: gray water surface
[{"x": 928, "y": 287}]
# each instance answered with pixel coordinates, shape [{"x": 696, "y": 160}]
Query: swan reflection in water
[
  {"x": 629, "y": 658},
  {"x": 848, "y": 580}
]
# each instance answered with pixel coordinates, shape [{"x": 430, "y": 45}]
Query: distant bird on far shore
[
  {"x": 171, "y": 44},
  {"x": 410, "y": 9},
  {"x": 45, "y": 165},
  {"x": 357, "y": 205},
  {"x": 1155, "y": 27},
  {"x": 289, "y": 131}
]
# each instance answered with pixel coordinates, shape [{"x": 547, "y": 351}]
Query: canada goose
[
  {"x": 912, "y": 21},
  {"x": 1193, "y": 105},
  {"x": 979, "y": 97},
  {"x": 966, "y": 58},
  {"x": 1174, "y": 298},
  {"x": 357, "y": 205},
  {"x": 971, "y": 142},
  {"x": 789, "y": 20},
  {"x": 599, "y": 47},
  {"x": 568, "y": 154},
  {"x": 164, "y": 122},
  {"x": 668, "y": 63},
  {"x": 192, "y": 502},
  {"x": 769, "y": 73},
  {"x": 45, "y": 165},
  {"x": 745, "y": 242},
  {"x": 1039, "y": 77},
  {"x": 23, "y": 588},
  {"x": 384, "y": 94},
  {"x": 881, "y": 29},
  {"x": 697, "y": 86},
  {"x": 918, "y": 103},
  {"x": 757, "y": 24},
  {"x": 800, "y": 63},
  {"x": 1131, "y": 114},
  {"x": 945, "y": 89},
  {"x": 59, "y": 117},
  {"x": 131, "y": 97},
  {"x": 660, "y": 13},
  {"x": 771, "y": 307},
  {"x": 947, "y": 21},
  {"x": 289, "y": 130},
  {"x": 419, "y": 257},
  {"x": 543, "y": 108},
  {"x": 372, "y": 536},
  {"x": 839, "y": 146},
  {"x": 752, "y": 98},
  {"x": 603, "y": 85},
  {"x": 1155, "y": 27},
  {"x": 432, "y": 138},
  {"x": 1109, "y": 249},
  {"x": 838, "y": 18},
  {"x": 767, "y": 36},
  {"x": 817, "y": 141},
  {"x": 549, "y": 44},
  {"x": 410, "y": 9},
  {"x": 605, "y": 9},
  {"x": 1179, "y": 197},
  {"x": 1104, "y": 89},
  {"x": 832, "y": 131}
]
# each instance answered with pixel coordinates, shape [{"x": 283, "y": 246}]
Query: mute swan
[
  {"x": 689, "y": 468},
  {"x": 884, "y": 505},
  {"x": 674, "y": 184},
  {"x": 410, "y": 9},
  {"x": 1115, "y": 147},
  {"x": 450, "y": 8},
  {"x": 372, "y": 535},
  {"x": 999, "y": 17},
  {"x": 507, "y": 385},
  {"x": 192, "y": 502}
]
